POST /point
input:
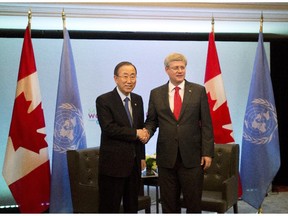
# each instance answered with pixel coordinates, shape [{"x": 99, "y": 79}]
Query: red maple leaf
[
  {"x": 220, "y": 117},
  {"x": 24, "y": 126}
]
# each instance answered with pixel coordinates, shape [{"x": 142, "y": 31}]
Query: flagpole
[
  {"x": 212, "y": 22},
  {"x": 29, "y": 19},
  {"x": 261, "y": 23},
  {"x": 260, "y": 210},
  {"x": 64, "y": 18}
]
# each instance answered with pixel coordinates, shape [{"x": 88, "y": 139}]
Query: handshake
[{"x": 143, "y": 135}]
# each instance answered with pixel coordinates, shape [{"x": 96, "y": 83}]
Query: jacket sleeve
[
  {"x": 206, "y": 127},
  {"x": 151, "y": 122}
]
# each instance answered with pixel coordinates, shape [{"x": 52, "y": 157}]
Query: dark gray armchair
[
  {"x": 83, "y": 174},
  {"x": 220, "y": 190}
]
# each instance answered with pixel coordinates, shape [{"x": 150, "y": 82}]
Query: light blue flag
[
  {"x": 260, "y": 157},
  {"x": 69, "y": 131}
]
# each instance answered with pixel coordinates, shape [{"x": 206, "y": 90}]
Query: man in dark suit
[
  {"x": 121, "y": 150},
  {"x": 185, "y": 144}
]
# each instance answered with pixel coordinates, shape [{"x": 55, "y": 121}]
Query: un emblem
[
  {"x": 69, "y": 128},
  {"x": 260, "y": 122}
]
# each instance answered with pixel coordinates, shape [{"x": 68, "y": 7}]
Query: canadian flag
[
  {"x": 26, "y": 168},
  {"x": 222, "y": 125}
]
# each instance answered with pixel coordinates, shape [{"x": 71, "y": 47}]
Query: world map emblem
[
  {"x": 69, "y": 128},
  {"x": 260, "y": 122}
]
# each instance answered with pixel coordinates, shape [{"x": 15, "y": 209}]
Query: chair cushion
[{"x": 213, "y": 201}]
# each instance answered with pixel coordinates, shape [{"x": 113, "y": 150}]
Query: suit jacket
[
  {"x": 119, "y": 145},
  {"x": 192, "y": 134}
]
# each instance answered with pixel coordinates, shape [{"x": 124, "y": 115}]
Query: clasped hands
[{"x": 143, "y": 135}]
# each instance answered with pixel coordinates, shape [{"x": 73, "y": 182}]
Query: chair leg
[
  {"x": 235, "y": 208},
  {"x": 148, "y": 210}
]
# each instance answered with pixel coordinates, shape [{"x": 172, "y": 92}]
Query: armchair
[
  {"x": 220, "y": 189},
  {"x": 83, "y": 174}
]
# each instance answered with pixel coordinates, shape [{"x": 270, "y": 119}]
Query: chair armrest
[{"x": 230, "y": 192}]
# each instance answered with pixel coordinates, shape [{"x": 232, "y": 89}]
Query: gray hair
[{"x": 174, "y": 57}]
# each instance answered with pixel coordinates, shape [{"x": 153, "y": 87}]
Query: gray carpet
[{"x": 274, "y": 202}]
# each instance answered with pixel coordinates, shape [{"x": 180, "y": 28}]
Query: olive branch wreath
[
  {"x": 74, "y": 109},
  {"x": 267, "y": 138}
]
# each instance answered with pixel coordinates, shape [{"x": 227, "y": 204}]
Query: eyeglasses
[
  {"x": 177, "y": 68},
  {"x": 126, "y": 77}
]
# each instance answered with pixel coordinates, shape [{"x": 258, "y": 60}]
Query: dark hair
[{"x": 122, "y": 64}]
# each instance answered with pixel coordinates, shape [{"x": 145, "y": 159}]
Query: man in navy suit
[
  {"x": 185, "y": 144},
  {"x": 121, "y": 151}
]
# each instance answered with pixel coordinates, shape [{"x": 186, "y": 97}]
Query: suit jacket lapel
[
  {"x": 120, "y": 107},
  {"x": 134, "y": 105},
  {"x": 164, "y": 96},
  {"x": 187, "y": 98}
]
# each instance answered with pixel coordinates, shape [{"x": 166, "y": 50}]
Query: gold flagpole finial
[
  {"x": 64, "y": 18},
  {"x": 261, "y": 22},
  {"x": 29, "y": 17},
  {"x": 212, "y": 22}
]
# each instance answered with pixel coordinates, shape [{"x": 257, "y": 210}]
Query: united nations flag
[
  {"x": 260, "y": 157},
  {"x": 69, "y": 133}
]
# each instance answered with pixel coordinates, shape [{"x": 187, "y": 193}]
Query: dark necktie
[
  {"x": 128, "y": 111},
  {"x": 177, "y": 103}
]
